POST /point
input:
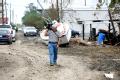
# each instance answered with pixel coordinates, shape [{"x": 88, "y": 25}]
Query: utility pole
[
  {"x": 6, "y": 20},
  {"x": 57, "y": 6},
  {"x": 10, "y": 12},
  {"x": 111, "y": 20},
  {"x": 13, "y": 15},
  {"x": 2, "y": 11},
  {"x": 85, "y": 2},
  {"x": 61, "y": 11}
]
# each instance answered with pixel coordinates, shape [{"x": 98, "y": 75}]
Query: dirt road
[{"x": 27, "y": 59}]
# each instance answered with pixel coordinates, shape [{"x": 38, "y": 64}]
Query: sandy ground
[{"x": 27, "y": 59}]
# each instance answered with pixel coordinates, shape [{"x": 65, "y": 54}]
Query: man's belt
[{"x": 53, "y": 42}]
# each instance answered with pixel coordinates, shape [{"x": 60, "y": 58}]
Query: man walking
[{"x": 53, "y": 45}]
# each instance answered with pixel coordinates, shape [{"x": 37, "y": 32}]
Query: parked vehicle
[
  {"x": 5, "y": 36},
  {"x": 74, "y": 33},
  {"x": 14, "y": 27},
  {"x": 30, "y": 31},
  {"x": 12, "y": 31}
]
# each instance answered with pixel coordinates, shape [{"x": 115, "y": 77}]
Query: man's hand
[
  {"x": 54, "y": 29},
  {"x": 57, "y": 45},
  {"x": 46, "y": 32}
]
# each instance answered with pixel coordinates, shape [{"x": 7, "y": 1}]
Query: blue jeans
[{"x": 53, "y": 51}]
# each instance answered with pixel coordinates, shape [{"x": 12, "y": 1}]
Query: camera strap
[{"x": 57, "y": 37}]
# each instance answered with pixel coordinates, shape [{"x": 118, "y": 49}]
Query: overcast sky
[{"x": 18, "y": 7}]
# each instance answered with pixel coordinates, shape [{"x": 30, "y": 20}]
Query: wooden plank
[
  {"x": 83, "y": 32},
  {"x": 0, "y": 11},
  {"x": 0, "y": 4}
]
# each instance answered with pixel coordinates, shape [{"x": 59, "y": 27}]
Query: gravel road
[{"x": 27, "y": 59}]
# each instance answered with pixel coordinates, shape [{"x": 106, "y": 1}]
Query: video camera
[{"x": 49, "y": 26}]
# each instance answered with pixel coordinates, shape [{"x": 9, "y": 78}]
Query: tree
[
  {"x": 55, "y": 10},
  {"x": 32, "y": 17},
  {"x": 113, "y": 7},
  {"x": 53, "y": 13},
  {"x": 115, "y": 4}
]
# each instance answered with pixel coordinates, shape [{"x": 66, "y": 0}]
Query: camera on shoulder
[{"x": 49, "y": 26}]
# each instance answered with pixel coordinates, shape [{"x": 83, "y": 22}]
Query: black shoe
[
  {"x": 51, "y": 64},
  {"x": 55, "y": 63}
]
